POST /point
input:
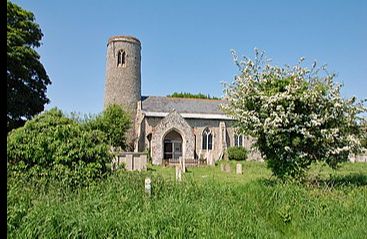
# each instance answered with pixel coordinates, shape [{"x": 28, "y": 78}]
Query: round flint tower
[{"x": 123, "y": 78}]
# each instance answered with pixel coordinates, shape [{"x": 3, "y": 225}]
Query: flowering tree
[{"x": 296, "y": 115}]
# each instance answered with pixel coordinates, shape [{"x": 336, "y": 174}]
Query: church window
[
  {"x": 121, "y": 58},
  {"x": 207, "y": 139},
  {"x": 238, "y": 139}
]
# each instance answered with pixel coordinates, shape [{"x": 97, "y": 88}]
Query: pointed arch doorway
[
  {"x": 172, "y": 146},
  {"x": 172, "y": 122}
]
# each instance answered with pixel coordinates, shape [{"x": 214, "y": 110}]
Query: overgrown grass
[{"x": 208, "y": 203}]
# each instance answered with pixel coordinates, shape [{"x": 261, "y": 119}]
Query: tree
[
  {"x": 364, "y": 137},
  {"x": 52, "y": 145},
  {"x": 297, "y": 115},
  {"x": 194, "y": 96},
  {"x": 114, "y": 122},
  {"x": 27, "y": 79}
]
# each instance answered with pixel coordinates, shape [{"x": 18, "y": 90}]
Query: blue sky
[{"x": 186, "y": 44}]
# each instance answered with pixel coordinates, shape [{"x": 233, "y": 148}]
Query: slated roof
[{"x": 181, "y": 105}]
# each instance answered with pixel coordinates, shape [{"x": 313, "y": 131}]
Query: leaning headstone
[
  {"x": 227, "y": 168},
  {"x": 239, "y": 168},
  {"x": 178, "y": 173},
  {"x": 183, "y": 164},
  {"x": 148, "y": 186}
]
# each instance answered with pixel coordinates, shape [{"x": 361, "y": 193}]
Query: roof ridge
[{"x": 183, "y": 98}]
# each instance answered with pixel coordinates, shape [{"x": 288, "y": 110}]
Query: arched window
[
  {"x": 121, "y": 55},
  {"x": 207, "y": 139},
  {"x": 238, "y": 139}
]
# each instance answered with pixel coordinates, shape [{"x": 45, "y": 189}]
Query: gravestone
[
  {"x": 183, "y": 164},
  {"x": 239, "y": 168},
  {"x": 227, "y": 168},
  {"x": 148, "y": 186},
  {"x": 178, "y": 173},
  {"x": 222, "y": 167}
]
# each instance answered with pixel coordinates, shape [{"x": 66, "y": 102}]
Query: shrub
[
  {"x": 114, "y": 122},
  {"x": 51, "y": 145},
  {"x": 237, "y": 153},
  {"x": 296, "y": 115}
]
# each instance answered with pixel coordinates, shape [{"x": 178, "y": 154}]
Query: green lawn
[
  {"x": 208, "y": 203},
  {"x": 251, "y": 171}
]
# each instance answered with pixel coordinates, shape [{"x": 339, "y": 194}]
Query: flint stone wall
[{"x": 173, "y": 121}]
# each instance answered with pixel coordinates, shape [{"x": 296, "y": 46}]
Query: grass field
[{"x": 208, "y": 203}]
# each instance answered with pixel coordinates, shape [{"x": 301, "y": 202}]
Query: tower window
[
  {"x": 207, "y": 139},
  {"x": 121, "y": 58}
]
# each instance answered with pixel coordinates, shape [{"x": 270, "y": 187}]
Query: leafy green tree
[
  {"x": 297, "y": 115},
  {"x": 193, "y": 96},
  {"x": 27, "y": 79},
  {"x": 52, "y": 145},
  {"x": 114, "y": 122},
  {"x": 364, "y": 137}
]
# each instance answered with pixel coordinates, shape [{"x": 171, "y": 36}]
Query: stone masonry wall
[
  {"x": 173, "y": 121},
  {"x": 197, "y": 126}
]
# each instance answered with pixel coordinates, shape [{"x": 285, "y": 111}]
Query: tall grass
[{"x": 198, "y": 207}]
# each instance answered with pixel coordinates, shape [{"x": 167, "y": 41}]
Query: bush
[
  {"x": 237, "y": 153},
  {"x": 296, "y": 115},
  {"x": 51, "y": 145},
  {"x": 114, "y": 122}
]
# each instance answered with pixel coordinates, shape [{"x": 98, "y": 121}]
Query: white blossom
[{"x": 277, "y": 102}]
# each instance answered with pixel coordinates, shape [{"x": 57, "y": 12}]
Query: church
[{"x": 168, "y": 128}]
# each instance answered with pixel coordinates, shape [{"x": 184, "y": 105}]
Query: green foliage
[
  {"x": 26, "y": 77},
  {"x": 364, "y": 134},
  {"x": 237, "y": 153},
  {"x": 116, "y": 207},
  {"x": 364, "y": 142},
  {"x": 114, "y": 122},
  {"x": 296, "y": 115},
  {"x": 51, "y": 145},
  {"x": 190, "y": 95}
]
